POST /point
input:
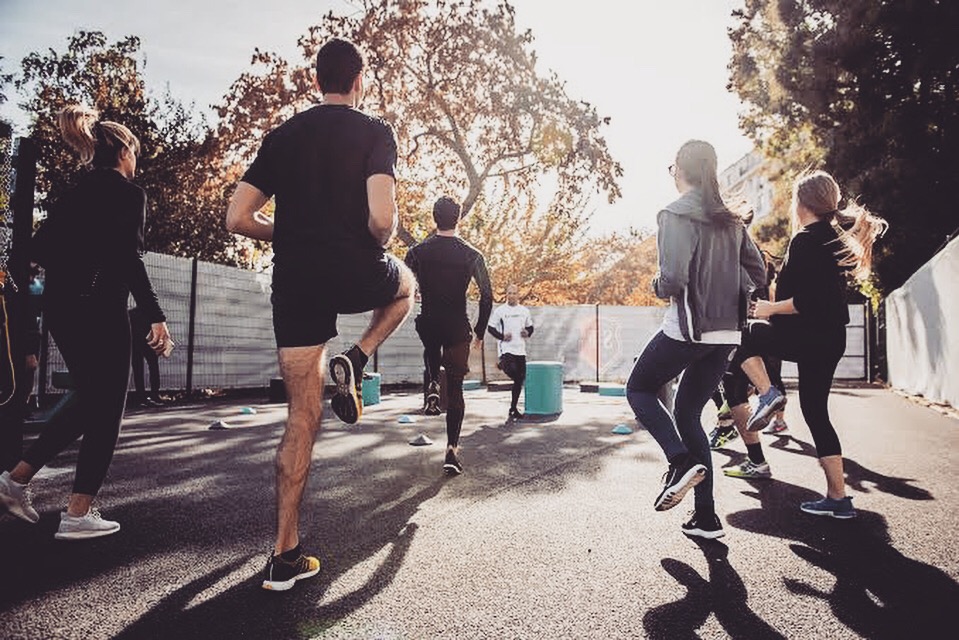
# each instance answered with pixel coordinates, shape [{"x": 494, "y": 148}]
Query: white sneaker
[
  {"x": 16, "y": 498},
  {"x": 91, "y": 525},
  {"x": 776, "y": 426}
]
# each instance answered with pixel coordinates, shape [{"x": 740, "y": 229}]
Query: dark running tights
[
  {"x": 455, "y": 362},
  {"x": 816, "y": 359},
  {"x": 515, "y": 367},
  {"x": 94, "y": 340}
]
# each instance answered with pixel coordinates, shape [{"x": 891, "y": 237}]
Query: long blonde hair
[
  {"x": 98, "y": 143},
  {"x": 857, "y": 227}
]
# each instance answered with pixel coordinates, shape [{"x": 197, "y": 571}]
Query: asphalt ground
[{"x": 550, "y": 533}]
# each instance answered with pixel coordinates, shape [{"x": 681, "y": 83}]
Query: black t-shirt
[
  {"x": 316, "y": 165},
  {"x": 444, "y": 266},
  {"x": 812, "y": 277}
]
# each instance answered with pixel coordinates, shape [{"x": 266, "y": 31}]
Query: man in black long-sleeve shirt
[{"x": 444, "y": 264}]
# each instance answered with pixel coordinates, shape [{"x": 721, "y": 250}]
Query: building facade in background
[{"x": 746, "y": 180}]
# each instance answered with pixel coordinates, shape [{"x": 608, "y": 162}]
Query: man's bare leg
[
  {"x": 303, "y": 371},
  {"x": 740, "y": 418},
  {"x": 755, "y": 370}
]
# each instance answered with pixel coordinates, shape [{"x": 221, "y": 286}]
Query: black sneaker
[
  {"x": 704, "y": 527},
  {"x": 281, "y": 575},
  {"x": 679, "y": 479},
  {"x": 452, "y": 464},
  {"x": 432, "y": 406},
  {"x": 347, "y": 400},
  {"x": 514, "y": 414}
]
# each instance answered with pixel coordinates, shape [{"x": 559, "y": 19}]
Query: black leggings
[
  {"x": 816, "y": 357},
  {"x": 737, "y": 387},
  {"x": 515, "y": 367},
  {"x": 455, "y": 362},
  {"x": 142, "y": 352},
  {"x": 94, "y": 339}
]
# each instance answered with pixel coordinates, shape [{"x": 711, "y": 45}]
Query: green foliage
[
  {"x": 867, "y": 90},
  {"x": 185, "y": 210}
]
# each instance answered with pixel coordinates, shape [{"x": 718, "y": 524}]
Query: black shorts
[{"x": 306, "y": 305}]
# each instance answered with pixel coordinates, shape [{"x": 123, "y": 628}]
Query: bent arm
[
  {"x": 752, "y": 261},
  {"x": 243, "y": 215},
  {"x": 381, "y": 195},
  {"x": 481, "y": 276},
  {"x": 675, "y": 242},
  {"x": 764, "y": 309},
  {"x": 131, "y": 261}
]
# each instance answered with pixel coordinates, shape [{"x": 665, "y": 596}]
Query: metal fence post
[
  {"x": 191, "y": 336},
  {"x": 597, "y": 343},
  {"x": 23, "y": 202}
]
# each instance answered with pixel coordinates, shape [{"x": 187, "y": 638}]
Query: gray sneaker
[
  {"x": 16, "y": 498},
  {"x": 91, "y": 525}
]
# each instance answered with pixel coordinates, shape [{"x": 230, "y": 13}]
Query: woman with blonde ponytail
[
  {"x": 91, "y": 247},
  {"x": 807, "y": 323}
]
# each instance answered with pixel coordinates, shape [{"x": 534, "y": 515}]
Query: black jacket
[{"x": 91, "y": 244}]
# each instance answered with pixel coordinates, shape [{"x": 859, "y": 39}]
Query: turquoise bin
[
  {"x": 544, "y": 388},
  {"x": 371, "y": 389}
]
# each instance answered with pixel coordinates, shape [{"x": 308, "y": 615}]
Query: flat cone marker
[
  {"x": 404, "y": 419},
  {"x": 622, "y": 430},
  {"x": 248, "y": 411},
  {"x": 218, "y": 425},
  {"x": 420, "y": 441}
]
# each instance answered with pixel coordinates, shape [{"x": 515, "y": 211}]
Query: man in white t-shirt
[{"x": 511, "y": 324}]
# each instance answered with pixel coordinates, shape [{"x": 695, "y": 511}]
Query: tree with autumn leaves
[
  {"x": 474, "y": 118},
  {"x": 185, "y": 192}
]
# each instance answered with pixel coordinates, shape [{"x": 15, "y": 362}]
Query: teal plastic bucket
[
  {"x": 371, "y": 389},
  {"x": 544, "y": 388}
]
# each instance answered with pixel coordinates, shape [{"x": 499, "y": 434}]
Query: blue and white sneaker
[
  {"x": 841, "y": 509},
  {"x": 769, "y": 403}
]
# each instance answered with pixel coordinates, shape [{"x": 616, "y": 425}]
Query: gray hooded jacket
[{"x": 706, "y": 270}]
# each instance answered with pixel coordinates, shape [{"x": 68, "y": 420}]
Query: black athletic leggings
[
  {"x": 737, "y": 386},
  {"x": 816, "y": 356},
  {"x": 455, "y": 362},
  {"x": 515, "y": 367},
  {"x": 93, "y": 336},
  {"x": 142, "y": 352}
]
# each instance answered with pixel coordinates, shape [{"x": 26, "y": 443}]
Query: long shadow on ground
[
  {"x": 197, "y": 505},
  {"x": 879, "y": 592}
]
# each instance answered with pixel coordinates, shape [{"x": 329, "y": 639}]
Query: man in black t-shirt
[
  {"x": 331, "y": 172},
  {"x": 444, "y": 264}
]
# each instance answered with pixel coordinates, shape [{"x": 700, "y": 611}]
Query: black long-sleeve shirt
[
  {"x": 812, "y": 277},
  {"x": 92, "y": 243},
  {"x": 444, "y": 266}
]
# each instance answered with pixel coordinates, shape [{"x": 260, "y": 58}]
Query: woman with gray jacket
[{"x": 707, "y": 267}]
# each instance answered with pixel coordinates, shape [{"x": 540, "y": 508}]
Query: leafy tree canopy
[
  {"x": 474, "y": 119},
  {"x": 865, "y": 89},
  {"x": 186, "y": 202}
]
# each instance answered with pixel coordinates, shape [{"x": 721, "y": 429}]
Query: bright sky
[{"x": 658, "y": 69}]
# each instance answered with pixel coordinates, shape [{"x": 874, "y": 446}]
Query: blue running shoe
[
  {"x": 769, "y": 403},
  {"x": 841, "y": 509}
]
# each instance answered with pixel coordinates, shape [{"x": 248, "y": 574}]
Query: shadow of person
[
  {"x": 246, "y": 610},
  {"x": 857, "y": 476},
  {"x": 722, "y": 594},
  {"x": 878, "y": 593}
]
